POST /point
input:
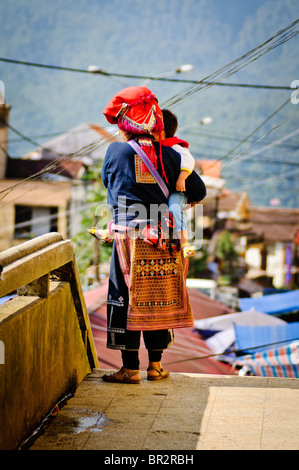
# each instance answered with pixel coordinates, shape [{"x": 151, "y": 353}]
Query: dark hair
[{"x": 170, "y": 123}]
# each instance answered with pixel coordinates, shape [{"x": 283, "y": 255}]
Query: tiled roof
[
  {"x": 84, "y": 140},
  {"x": 19, "y": 168},
  {"x": 209, "y": 167},
  {"x": 274, "y": 224}
]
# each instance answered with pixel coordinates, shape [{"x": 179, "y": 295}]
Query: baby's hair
[{"x": 170, "y": 123}]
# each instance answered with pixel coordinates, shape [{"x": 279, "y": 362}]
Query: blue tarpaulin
[
  {"x": 6, "y": 298},
  {"x": 248, "y": 337},
  {"x": 272, "y": 304},
  {"x": 219, "y": 333}
]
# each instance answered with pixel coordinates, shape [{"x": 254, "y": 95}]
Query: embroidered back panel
[
  {"x": 142, "y": 175},
  {"x": 157, "y": 288}
]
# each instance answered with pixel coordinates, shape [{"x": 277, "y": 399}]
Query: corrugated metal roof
[
  {"x": 187, "y": 343},
  {"x": 85, "y": 140}
]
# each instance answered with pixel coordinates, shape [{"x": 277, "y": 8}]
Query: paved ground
[{"x": 186, "y": 412}]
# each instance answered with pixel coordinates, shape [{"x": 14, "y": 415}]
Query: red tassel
[{"x": 149, "y": 150}]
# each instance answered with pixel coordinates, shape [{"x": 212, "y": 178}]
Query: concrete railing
[{"x": 46, "y": 344}]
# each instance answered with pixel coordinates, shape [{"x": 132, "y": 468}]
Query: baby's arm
[
  {"x": 180, "y": 184},
  {"x": 187, "y": 166}
]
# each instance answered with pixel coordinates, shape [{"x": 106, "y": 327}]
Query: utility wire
[
  {"x": 190, "y": 131},
  {"x": 249, "y": 136},
  {"x": 263, "y": 149},
  {"x": 283, "y": 35},
  {"x": 226, "y": 137},
  {"x": 54, "y": 164},
  {"x": 255, "y": 130},
  {"x": 268, "y": 146},
  {"x": 271, "y": 178},
  {"x": 69, "y": 132},
  {"x": 278, "y": 39},
  {"x": 144, "y": 77}
]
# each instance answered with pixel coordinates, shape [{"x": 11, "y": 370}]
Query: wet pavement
[{"x": 186, "y": 412}]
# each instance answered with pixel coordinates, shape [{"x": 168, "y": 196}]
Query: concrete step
[{"x": 186, "y": 412}]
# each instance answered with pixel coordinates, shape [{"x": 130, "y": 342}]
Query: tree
[
  {"x": 88, "y": 250},
  {"x": 225, "y": 250},
  {"x": 228, "y": 257}
]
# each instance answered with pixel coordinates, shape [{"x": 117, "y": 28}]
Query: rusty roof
[
  {"x": 274, "y": 224},
  {"x": 187, "y": 343}
]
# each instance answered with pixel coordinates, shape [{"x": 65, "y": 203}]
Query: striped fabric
[{"x": 279, "y": 362}]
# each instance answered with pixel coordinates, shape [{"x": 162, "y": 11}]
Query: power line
[
  {"x": 250, "y": 135},
  {"x": 144, "y": 77},
  {"x": 268, "y": 146},
  {"x": 255, "y": 130},
  {"x": 52, "y": 165},
  {"x": 271, "y": 178},
  {"x": 193, "y": 132},
  {"x": 231, "y": 137},
  {"x": 41, "y": 136},
  {"x": 278, "y": 162},
  {"x": 278, "y": 39},
  {"x": 283, "y": 35}
]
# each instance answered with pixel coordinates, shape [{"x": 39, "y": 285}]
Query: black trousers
[
  {"x": 118, "y": 337},
  {"x": 154, "y": 341},
  {"x": 131, "y": 358}
]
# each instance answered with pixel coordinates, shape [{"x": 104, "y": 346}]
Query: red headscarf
[{"x": 136, "y": 110}]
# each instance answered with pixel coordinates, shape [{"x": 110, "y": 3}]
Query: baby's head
[{"x": 170, "y": 123}]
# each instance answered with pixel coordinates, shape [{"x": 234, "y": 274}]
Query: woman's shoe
[
  {"x": 124, "y": 376},
  {"x": 188, "y": 250},
  {"x": 162, "y": 374}
]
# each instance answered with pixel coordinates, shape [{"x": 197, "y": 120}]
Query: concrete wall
[
  {"x": 275, "y": 262},
  {"x": 35, "y": 194},
  {"x": 44, "y": 333},
  {"x": 276, "y": 267}
]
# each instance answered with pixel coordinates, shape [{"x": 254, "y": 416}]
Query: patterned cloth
[
  {"x": 147, "y": 292},
  {"x": 136, "y": 110},
  {"x": 155, "y": 278}
]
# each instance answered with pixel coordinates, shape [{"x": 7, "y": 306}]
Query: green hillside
[{"x": 149, "y": 38}]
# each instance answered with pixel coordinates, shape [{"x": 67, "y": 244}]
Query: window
[
  {"x": 33, "y": 221},
  {"x": 23, "y": 215}
]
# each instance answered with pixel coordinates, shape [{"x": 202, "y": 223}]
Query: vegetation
[
  {"x": 231, "y": 266},
  {"x": 88, "y": 250}
]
